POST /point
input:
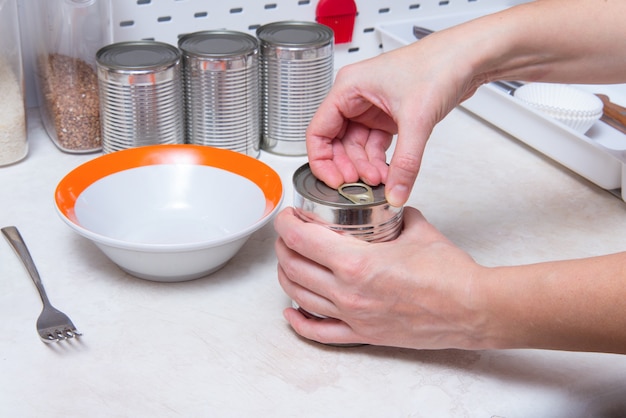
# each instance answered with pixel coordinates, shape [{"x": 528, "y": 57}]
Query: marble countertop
[{"x": 219, "y": 346}]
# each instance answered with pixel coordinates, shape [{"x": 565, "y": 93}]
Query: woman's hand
[
  {"x": 410, "y": 89},
  {"x": 417, "y": 291},
  {"x": 404, "y": 92}
]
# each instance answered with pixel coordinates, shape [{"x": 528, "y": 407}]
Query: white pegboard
[{"x": 167, "y": 20}]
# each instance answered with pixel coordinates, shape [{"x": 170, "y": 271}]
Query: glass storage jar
[
  {"x": 13, "y": 135},
  {"x": 67, "y": 35}
]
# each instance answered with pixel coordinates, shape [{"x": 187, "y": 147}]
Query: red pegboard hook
[{"x": 339, "y": 15}]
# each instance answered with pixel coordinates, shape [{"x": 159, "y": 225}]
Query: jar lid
[
  {"x": 295, "y": 34},
  {"x": 138, "y": 56},
  {"x": 218, "y": 44},
  {"x": 354, "y": 195}
]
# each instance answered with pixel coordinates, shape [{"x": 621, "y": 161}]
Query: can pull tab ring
[{"x": 358, "y": 193}]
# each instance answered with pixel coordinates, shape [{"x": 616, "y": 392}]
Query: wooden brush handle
[{"x": 613, "y": 114}]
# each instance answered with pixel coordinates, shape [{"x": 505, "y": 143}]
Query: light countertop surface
[{"x": 219, "y": 346}]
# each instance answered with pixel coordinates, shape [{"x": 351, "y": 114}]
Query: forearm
[
  {"x": 577, "y": 305},
  {"x": 570, "y": 41}
]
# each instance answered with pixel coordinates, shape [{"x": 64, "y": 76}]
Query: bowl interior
[
  {"x": 169, "y": 196},
  {"x": 170, "y": 204}
]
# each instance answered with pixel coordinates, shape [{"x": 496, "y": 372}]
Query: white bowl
[
  {"x": 574, "y": 107},
  {"x": 169, "y": 212}
]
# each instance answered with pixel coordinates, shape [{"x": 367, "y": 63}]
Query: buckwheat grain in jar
[
  {"x": 67, "y": 35},
  {"x": 13, "y": 144}
]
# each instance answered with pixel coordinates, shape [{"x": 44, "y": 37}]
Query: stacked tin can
[
  {"x": 296, "y": 75},
  {"x": 141, "y": 98},
  {"x": 222, "y": 90},
  {"x": 355, "y": 209}
]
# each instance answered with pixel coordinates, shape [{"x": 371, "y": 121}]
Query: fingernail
[{"x": 398, "y": 195}]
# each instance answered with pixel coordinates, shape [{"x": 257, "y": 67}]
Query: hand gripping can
[{"x": 354, "y": 209}]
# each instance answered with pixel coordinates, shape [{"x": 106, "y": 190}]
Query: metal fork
[{"x": 52, "y": 325}]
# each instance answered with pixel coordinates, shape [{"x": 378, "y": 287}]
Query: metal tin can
[
  {"x": 141, "y": 100},
  {"x": 222, "y": 90},
  {"x": 296, "y": 74},
  {"x": 354, "y": 209}
]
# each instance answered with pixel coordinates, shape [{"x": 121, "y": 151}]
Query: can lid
[
  {"x": 218, "y": 44},
  {"x": 295, "y": 34},
  {"x": 355, "y": 195},
  {"x": 138, "y": 56}
]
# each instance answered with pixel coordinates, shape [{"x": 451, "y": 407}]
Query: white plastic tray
[{"x": 599, "y": 155}]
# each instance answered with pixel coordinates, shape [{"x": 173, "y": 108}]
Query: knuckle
[
  {"x": 353, "y": 303},
  {"x": 354, "y": 268},
  {"x": 355, "y": 272},
  {"x": 344, "y": 71},
  {"x": 406, "y": 162},
  {"x": 291, "y": 238}
]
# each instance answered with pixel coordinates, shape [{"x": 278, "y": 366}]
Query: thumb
[{"x": 405, "y": 161}]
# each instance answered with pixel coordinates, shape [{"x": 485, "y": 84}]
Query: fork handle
[{"x": 16, "y": 241}]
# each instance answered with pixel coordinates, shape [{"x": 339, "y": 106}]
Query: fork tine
[
  {"x": 49, "y": 338},
  {"x": 69, "y": 333},
  {"x": 53, "y": 335},
  {"x": 58, "y": 335}
]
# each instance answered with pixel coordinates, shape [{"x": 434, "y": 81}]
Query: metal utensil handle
[
  {"x": 16, "y": 241},
  {"x": 420, "y": 32}
]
